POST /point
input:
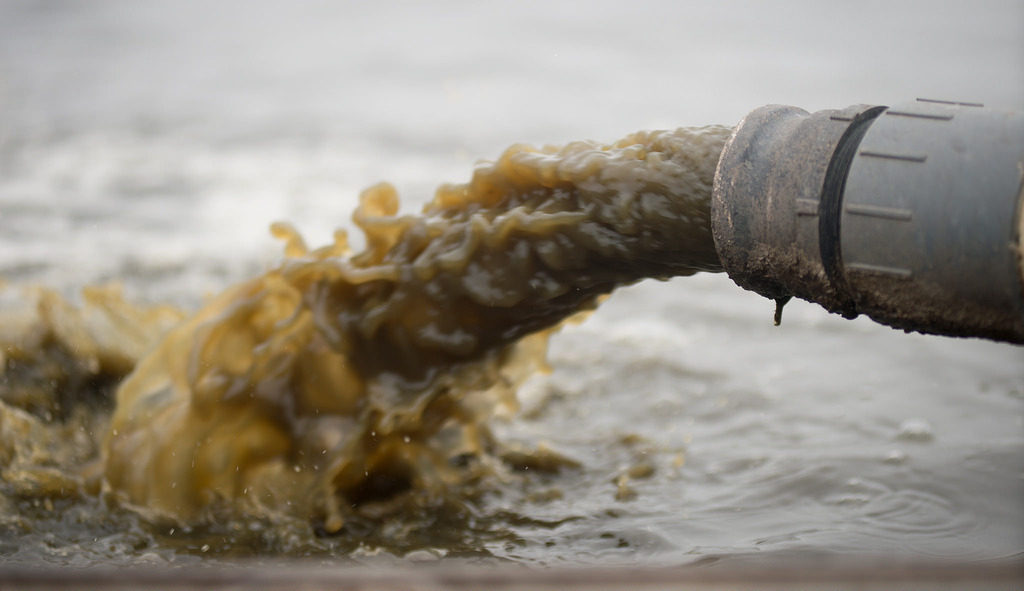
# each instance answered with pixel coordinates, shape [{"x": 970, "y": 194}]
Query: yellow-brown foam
[{"x": 337, "y": 383}]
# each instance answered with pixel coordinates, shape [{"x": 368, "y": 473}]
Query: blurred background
[
  {"x": 152, "y": 143},
  {"x": 184, "y": 129}
]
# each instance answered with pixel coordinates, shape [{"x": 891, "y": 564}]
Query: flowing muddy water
[{"x": 352, "y": 392}]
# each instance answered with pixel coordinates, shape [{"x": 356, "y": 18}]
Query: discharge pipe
[{"x": 911, "y": 214}]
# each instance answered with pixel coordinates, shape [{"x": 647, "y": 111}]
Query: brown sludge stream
[{"x": 347, "y": 393}]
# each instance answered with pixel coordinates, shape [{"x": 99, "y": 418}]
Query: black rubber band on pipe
[{"x": 831, "y": 204}]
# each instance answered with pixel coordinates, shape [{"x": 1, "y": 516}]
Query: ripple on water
[
  {"x": 910, "y": 512},
  {"x": 912, "y": 517}
]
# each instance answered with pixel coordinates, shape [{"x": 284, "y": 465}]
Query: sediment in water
[{"x": 343, "y": 385}]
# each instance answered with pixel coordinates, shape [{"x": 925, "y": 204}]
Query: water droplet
[
  {"x": 918, "y": 430},
  {"x": 895, "y": 457}
]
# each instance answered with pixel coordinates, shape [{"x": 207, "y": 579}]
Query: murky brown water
[{"x": 347, "y": 393}]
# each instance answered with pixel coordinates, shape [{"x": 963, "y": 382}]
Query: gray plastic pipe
[{"x": 910, "y": 214}]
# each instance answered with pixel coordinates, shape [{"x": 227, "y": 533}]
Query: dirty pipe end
[{"x": 911, "y": 215}]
